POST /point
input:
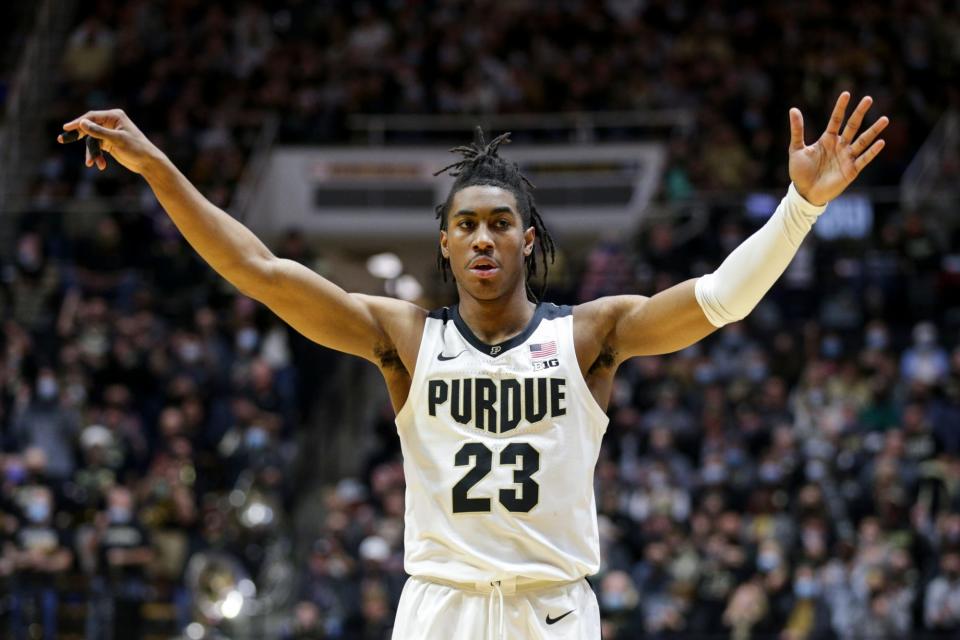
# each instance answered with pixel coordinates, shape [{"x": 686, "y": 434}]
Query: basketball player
[{"x": 501, "y": 398}]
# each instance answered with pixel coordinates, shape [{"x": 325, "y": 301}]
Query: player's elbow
[
  {"x": 719, "y": 309},
  {"x": 255, "y": 277}
]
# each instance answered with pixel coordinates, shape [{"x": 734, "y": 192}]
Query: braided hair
[{"x": 482, "y": 165}]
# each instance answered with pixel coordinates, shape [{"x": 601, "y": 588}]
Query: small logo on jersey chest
[
  {"x": 544, "y": 355},
  {"x": 540, "y": 365},
  {"x": 495, "y": 350}
]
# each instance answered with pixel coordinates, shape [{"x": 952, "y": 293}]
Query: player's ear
[
  {"x": 529, "y": 237},
  {"x": 443, "y": 245}
]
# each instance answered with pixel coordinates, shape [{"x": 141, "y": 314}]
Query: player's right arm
[{"x": 366, "y": 326}]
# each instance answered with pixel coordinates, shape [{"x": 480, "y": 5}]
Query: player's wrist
[
  {"x": 804, "y": 201},
  {"x": 155, "y": 163}
]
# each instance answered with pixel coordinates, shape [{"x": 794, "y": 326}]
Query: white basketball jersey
[{"x": 499, "y": 448}]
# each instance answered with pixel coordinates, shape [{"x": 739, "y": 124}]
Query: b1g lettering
[
  {"x": 540, "y": 365},
  {"x": 498, "y": 408}
]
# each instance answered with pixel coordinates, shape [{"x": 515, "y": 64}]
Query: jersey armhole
[
  {"x": 584, "y": 389},
  {"x": 419, "y": 367}
]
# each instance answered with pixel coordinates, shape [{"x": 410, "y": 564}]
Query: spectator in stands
[
  {"x": 89, "y": 52},
  {"x": 33, "y": 288},
  {"x": 38, "y": 553},
  {"x": 926, "y": 361},
  {"x": 46, "y": 425},
  {"x": 123, "y": 554},
  {"x": 941, "y": 612}
]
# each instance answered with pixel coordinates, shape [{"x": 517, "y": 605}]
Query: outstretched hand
[
  {"x": 823, "y": 170},
  {"x": 117, "y": 136}
]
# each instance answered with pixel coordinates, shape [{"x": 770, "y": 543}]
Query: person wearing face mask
[
  {"x": 33, "y": 287},
  {"x": 809, "y": 617},
  {"x": 120, "y": 585},
  {"x": 941, "y": 607},
  {"x": 47, "y": 425},
  {"x": 39, "y": 554}
]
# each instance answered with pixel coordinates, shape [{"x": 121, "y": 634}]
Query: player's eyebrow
[{"x": 499, "y": 209}]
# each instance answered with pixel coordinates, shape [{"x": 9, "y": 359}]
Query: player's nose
[{"x": 482, "y": 238}]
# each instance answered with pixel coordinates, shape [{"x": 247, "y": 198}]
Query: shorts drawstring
[{"x": 496, "y": 589}]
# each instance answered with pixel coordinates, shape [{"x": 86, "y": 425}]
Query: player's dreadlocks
[{"x": 481, "y": 165}]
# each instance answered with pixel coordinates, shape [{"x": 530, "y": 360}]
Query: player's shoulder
[
  {"x": 607, "y": 310},
  {"x": 401, "y": 320},
  {"x": 392, "y": 307}
]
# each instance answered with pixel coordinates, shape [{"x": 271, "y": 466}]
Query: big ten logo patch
[{"x": 540, "y": 365}]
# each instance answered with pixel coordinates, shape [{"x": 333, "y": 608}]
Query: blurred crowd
[
  {"x": 200, "y": 77},
  {"x": 145, "y": 415},
  {"x": 794, "y": 476}
]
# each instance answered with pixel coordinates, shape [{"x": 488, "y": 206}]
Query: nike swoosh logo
[
  {"x": 443, "y": 358},
  {"x": 554, "y": 620}
]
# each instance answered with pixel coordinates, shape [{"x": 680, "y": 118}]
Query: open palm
[{"x": 821, "y": 171}]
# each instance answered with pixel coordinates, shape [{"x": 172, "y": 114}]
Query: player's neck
[{"x": 494, "y": 321}]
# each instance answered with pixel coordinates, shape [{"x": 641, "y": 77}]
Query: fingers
[
  {"x": 91, "y": 128},
  {"x": 839, "y": 110},
  {"x": 95, "y": 154},
  {"x": 796, "y": 129},
  {"x": 869, "y": 135},
  {"x": 856, "y": 119},
  {"x": 72, "y": 131},
  {"x": 866, "y": 158},
  {"x": 96, "y": 116}
]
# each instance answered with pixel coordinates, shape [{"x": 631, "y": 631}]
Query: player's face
[{"x": 486, "y": 241}]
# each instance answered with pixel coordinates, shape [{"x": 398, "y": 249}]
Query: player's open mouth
[
  {"x": 484, "y": 270},
  {"x": 483, "y": 267}
]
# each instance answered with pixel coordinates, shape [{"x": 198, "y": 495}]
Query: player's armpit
[
  {"x": 366, "y": 326},
  {"x": 666, "y": 322}
]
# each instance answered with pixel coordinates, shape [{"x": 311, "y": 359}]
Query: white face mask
[
  {"x": 47, "y": 388},
  {"x": 190, "y": 351},
  {"x": 38, "y": 511},
  {"x": 247, "y": 339},
  {"x": 119, "y": 515}
]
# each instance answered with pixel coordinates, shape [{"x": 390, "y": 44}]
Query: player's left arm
[{"x": 685, "y": 313}]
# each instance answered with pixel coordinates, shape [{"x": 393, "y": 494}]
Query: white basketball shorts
[{"x": 505, "y": 610}]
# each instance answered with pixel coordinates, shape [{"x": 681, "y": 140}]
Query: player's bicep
[
  {"x": 321, "y": 310},
  {"x": 666, "y": 322}
]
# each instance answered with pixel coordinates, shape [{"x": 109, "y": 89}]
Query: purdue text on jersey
[{"x": 497, "y": 407}]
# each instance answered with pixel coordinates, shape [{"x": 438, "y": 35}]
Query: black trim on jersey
[{"x": 544, "y": 311}]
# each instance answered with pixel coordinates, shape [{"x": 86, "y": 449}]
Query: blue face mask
[
  {"x": 831, "y": 347},
  {"x": 877, "y": 339},
  {"x": 255, "y": 438},
  {"x": 247, "y": 339},
  {"x": 614, "y": 601},
  {"x": 47, "y": 388},
  {"x": 714, "y": 474},
  {"x": 119, "y": 515},
  {"x": 806, "y": 588},
  {"x": 768, "y": 561},
  {"x": 705, "y": 374},
  {"x": 38, "y": 511}
]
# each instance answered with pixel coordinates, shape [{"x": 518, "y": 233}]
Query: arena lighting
[
  {"x": 256, "y": 514},
  {"x": 231, "y": 605},
  {"x": 384, "y": 265},
  {"x": 407, "y": 287}
]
